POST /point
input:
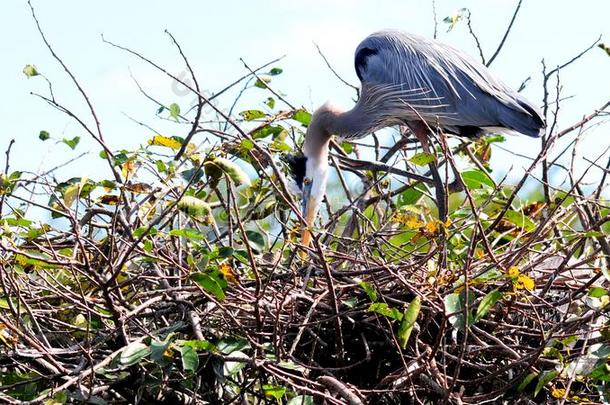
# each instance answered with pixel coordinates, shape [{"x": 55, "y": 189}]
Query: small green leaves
[
  {"x": 270, "y": 102},
  {"x": 477, "y": 179},
  {"x": 188, "y": 233},
  {"x": 454, "y": 308},
  {"x": 215, "y": 166},
  {"x": 275, "y": 71},
  {"x": 190, "y": 359},
  {"x": 213, "y": 282},
  {"x": 133, "y": 353},
  {"x": 487, "y": 303},
  {"x": 256, "y": 240},
  {"x": 43, "y": 135},
  {"x": 408, "y": 321},
  {"x": 71, "y": 142},
  {"x": 452, "y": 20},
  {"x": 267, "y": 130},
  {"x": 174, "y": 111},
  {"x": 274, "y": 391},
  {"x": 197, "y": 209},
  {"x": 520, "y": 220},
  {"x": 543, "y": 379},
  {"x": 302, "y": 116},
  {"x": 384, "y": 309},
  {"x": 262, "y": 81},
  {"x": 410, "y": 196},
  {"x": 30, "y": 71},
  {"x": 422, "y": 159},
  {"x": 250, "y": 115},
  {"x": 369, "y": 290}
]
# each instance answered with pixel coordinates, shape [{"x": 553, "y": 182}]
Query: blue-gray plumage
[
  {"x": 410, "y": 80},
  {"x": 442, "y": 84}
]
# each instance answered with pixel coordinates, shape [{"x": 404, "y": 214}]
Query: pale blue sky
[{"x": 215, "y": 34}]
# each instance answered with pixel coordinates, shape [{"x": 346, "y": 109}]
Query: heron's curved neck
[{"x": 328, "y": 121}]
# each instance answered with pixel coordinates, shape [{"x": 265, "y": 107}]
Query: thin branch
[{"x": 510, "y": 26}]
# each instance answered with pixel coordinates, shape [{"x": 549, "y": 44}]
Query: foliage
[{"x": 175, "y": 276}]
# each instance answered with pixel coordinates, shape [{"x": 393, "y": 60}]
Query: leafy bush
[{"x": 176, "y": 277}]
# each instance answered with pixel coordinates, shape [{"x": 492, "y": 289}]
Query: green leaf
[
  {"x": 225, "y": 251},
  {"x": 495, "y": 138},
  {"x": 422, "y": 159},
  {"x": 274, "y": 391},
  {"x": 133, "y": 353},
  {"x": 369, "y": 290},
  {"x": 275, "y": 71},
  {"x": 266, "y": 131},
  {"x": 262, "y": 81},
  {"x": 232, "y": 345},
  {"x": 302, "y": 116},
  {"x": 103, "y": 154},
  {"x": 347, "y": 147},
  {"x": 544, "y": 378},
  {"x": 120, "y": 158},
  {"x": 231, "y": 169},
  {"x": 72, "y": 142},
  {"x": 476, "y": 179},
  {"x": 250, "y": 115},
  {"x": 212, "y": 282},
  {"x": 43, "y": 135},
  {"x": 190, "y": 359},
  {"x": 198, "y": 345},
  {"x": 188, "y": 233},
  {"x": 174, "y": 111},
  {"x": 270, "y": 102},
  {"x": 161, "y": 166},
  {"x": 597, "y": 292},
  {"x": 452, "y": 20},
  {"x": 528, "y": 379},
  {"x": 410, "y": 196},
  {"x": 605, "y": 48},
  {"x": 454, "y": 308},
  {"x": 518, "y": 219},
  {"x": 30, "y": 71},
  {"x": 383, "y": 309},
  {"x": 197, "y": 209},
  {"x": 301, "y": 400},
  {"x": 408, "y": 321},
  {"x": 487, "y": 303},
  {"x": 158, "y": 349},
  {"x": 256, "y": 240}
]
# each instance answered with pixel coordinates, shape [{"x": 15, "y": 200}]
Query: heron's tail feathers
[{"x": 528, "y": 122}]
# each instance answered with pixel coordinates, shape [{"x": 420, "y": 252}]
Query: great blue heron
[{"x": 410, "y": 80}]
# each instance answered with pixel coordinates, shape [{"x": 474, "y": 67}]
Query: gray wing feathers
[{"x": 426, "y": 79}]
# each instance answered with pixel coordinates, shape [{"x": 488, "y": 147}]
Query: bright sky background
[{"x": 215, "y": 34}]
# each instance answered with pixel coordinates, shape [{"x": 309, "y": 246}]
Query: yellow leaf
[
  {"x": 128, "y": 168},
  {"x": 432, "y": 226},
  {"x": 160, "y": 140},
  {"x": 228, "y": 272},
  {"x": 513, "y": 271},
  {"x": 70, "y": 194},
  {"x": 558, "y": 392},
  {"x": 408, "y": 219},
  {"x": 109, "y": 199},
  {"x": 524, "y": 282},
  {"x": 80, "y": 320}
]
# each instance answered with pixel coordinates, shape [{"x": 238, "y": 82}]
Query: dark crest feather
[{"x": 297, "y": 165}]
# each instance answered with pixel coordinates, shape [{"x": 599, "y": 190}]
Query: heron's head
[{"x": 310, "y": 170}]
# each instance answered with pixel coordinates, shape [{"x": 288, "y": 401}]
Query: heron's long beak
[{"x": 310, "y": 209}]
